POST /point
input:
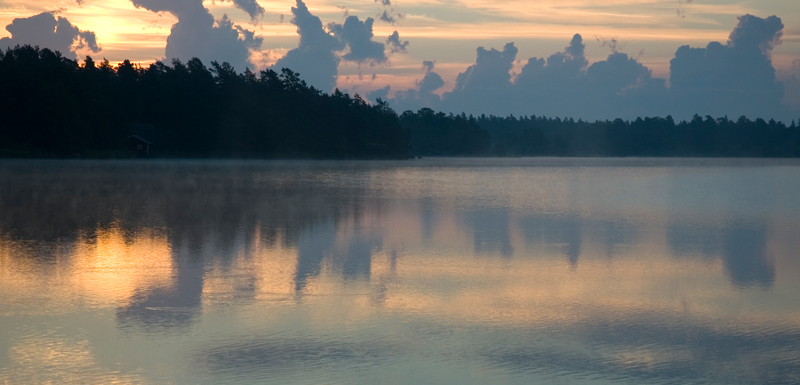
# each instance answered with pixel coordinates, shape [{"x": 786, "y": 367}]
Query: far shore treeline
[{"x": 54, "y": 107}]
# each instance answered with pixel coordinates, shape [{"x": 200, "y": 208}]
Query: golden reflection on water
[
  {"x": 111, "y": 268},
  {"x": 104, "y": 267}
]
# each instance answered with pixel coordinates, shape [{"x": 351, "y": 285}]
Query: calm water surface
[{"x": 441, "y": 271}]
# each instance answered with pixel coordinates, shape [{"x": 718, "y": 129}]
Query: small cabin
[{"x": 140, "y": 145}]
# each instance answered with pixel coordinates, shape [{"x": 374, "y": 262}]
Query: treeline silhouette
[
  {"x": 54, "y": 107},
  {"x": 437, "y": 134},
  {"x": 656, "y": 137}
]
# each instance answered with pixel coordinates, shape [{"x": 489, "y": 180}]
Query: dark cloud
[
  {"x": 195, "y": 7},
  {"x": 318, "y": 55},
  {"x": 380, "y": 93},
  {"x": 611, "y": 42},
  {"x": 395, "y": 45},
  {"x": 561, "y": 85},
  {"x": 248, "y": 37},
  {"x": 485, "y": 85},
  {"x": 315, "y": 58},
  {"x": 386, "y": 17},
  {"x": 251, "y": 7},
  {"x": 732, "y": 79},
  {"x": 754, "y": 31},
  {"x": 617, "y": 73},
  {"x": 358, "y": 35},
  {"x": 47, "y": 31},
  {"x": 490, "y": 71},
  {"x": 390, "y": 13},
  {"x": 197, "y": 34},
  {"x": 422, "y": 95},
  {"x": 621, "y": 84},
  {"x": 736, "y": 78},
  {"x": 560, "y": 70},
  {"x": 432, "y": 81}
]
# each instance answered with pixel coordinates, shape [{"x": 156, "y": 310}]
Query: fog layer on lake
[{"x": 445, "y": 271}]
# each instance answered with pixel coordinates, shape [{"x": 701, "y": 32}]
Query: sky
[{"x": 578, "y": 58}]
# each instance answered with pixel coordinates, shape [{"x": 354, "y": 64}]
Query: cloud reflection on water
[{"x": 270, "y": 268}]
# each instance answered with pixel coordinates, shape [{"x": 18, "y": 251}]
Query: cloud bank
[
  {"x": 732, "y": 79},
  {"x": 47, "y": 31}
]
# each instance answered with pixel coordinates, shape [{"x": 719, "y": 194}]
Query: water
[{"x": 445, "y": 271}]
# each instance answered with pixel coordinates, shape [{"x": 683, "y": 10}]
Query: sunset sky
[{"x": 445, "y": 33}]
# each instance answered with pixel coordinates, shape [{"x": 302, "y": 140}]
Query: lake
[{"x": 440, "y": 271}]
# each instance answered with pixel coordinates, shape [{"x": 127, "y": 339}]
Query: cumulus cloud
[
  {"x": 733, "y": 79},
  {"x": 753, "y": 31},
  {"x": 197, "y": 34},
  {"x": 431, "y": 81},
  {"x": 490, "y": 71},
  {"x": 315, "y": 58},
  {"x": 559, "y": 71},
  {"x": 564, "y": 84},
  {"x": 47, "y": 31},
  {"x": 357, "y": 35},
  {"x": 422, "y": 95},
  {"x": 730, "y": 79},
  {"x": 625, "y": 87},
  {"x": 320, "y": 51},
  {"x": 485, "y": 85}
]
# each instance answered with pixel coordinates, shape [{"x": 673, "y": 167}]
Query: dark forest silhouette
[
  {"x": 54, "y": 107},
  {"x": 657, "y": 137},
  {"x": 437, "y": 134}
]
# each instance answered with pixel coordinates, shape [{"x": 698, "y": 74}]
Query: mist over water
[{"x": 447, "y": 271}]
